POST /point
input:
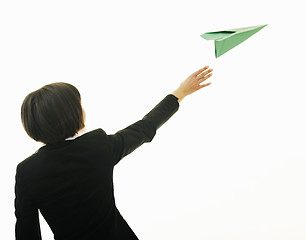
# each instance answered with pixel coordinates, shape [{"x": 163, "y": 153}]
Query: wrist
[{"x": 179, "y": 94}]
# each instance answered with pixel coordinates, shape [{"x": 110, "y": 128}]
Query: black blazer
[{"x": 71, "y": 182}]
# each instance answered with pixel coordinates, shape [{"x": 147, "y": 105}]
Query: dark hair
[{"x": 52, "y": 113}]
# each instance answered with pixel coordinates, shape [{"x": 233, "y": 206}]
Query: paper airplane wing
[{"x": 226, "y": 40}]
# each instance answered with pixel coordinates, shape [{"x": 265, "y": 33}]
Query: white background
[{"x": 230, "y": 164}]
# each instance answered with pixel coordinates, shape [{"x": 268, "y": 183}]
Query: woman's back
[{"x": 72, "y": 185}]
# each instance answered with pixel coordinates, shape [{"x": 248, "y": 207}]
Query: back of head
[{"x": 52, "y": 113}]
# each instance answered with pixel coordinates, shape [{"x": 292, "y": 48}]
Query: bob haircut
[{"x": 52, "y": 113}]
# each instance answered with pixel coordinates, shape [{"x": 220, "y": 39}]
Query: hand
[{"x": 193, "y": 83}]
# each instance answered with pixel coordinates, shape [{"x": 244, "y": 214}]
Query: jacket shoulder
[{"x": 27, "y": 163}]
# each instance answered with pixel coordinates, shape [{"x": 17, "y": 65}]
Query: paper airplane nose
[{"x": 228, "y": 39}]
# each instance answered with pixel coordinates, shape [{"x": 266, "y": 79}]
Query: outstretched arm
[{"x": 127, "y": 140}]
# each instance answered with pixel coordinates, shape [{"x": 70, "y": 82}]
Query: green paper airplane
[{"x": 228, "y": 39}]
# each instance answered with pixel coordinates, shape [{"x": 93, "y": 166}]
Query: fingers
[
  {"x": 205, "y": 76},
  {"x": 204, "y": 85},
  {"x": 200, "y": 71},
  {"x": 200, "y": 76}
]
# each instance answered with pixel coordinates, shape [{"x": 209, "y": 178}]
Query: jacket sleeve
[
  {"x": 127, "y": 140},
  {"x": 27, "y": 224}
]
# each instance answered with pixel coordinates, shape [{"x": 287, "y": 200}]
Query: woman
[{"x": 70, "y": 178}]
